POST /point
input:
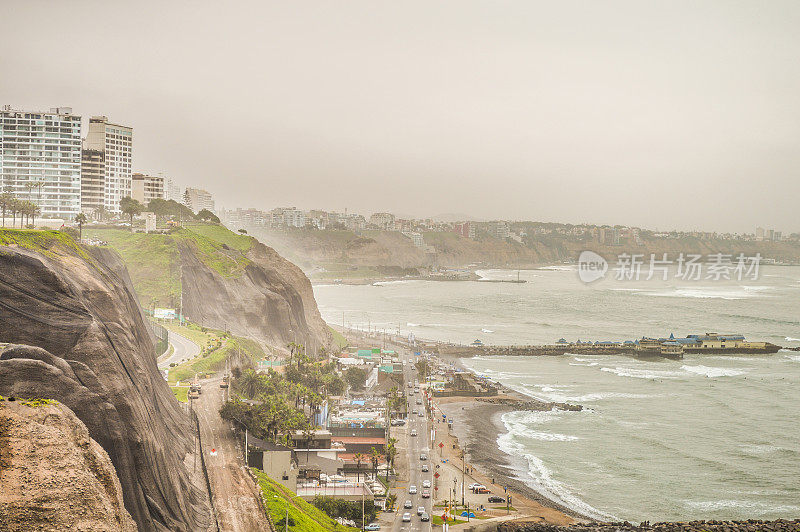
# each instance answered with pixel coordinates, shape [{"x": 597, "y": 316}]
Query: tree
[
  {"x": 80, "y": 219},
  {"x": 390, "y": 453},
  {"x": 359, "y": 457},
  {"x": 374, "y": 457},
  {"x": 207, "y": 215},
  {"x": 6, "y": 199},
  {"x": 356, "y": 378},
  {"x": 131, "y": 207}
]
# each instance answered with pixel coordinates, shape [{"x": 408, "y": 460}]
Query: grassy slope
[
  {"x": 153, "y": 260},
  {"x": 39, "y": 240},
  {"x": 340, "y": 340},
  {"x": 181, "y": 393},
  {"x": 215, "y": 361},
  {"x": 306, "y": 516}
]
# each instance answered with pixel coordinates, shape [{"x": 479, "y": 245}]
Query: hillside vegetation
[
  {"x": 303, "y": 516},
  {"x": 344, "y": 254},
  {"x": 153, "y": 260}
]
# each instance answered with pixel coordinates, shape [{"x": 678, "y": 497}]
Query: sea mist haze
[{"x": 708, "y": 436}]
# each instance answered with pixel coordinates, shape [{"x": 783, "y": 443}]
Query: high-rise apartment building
[
  {"x": 198, "y": 199},
  {"x": 93, "y": 181},
  {"x": 172, "y": 191},
  {"x": 116, "y": 143},
  {"x": 40, "y": 159},
  {"x": 145, "y": 188}
]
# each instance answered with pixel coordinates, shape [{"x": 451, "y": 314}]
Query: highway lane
[
  {"x": 183, "y": 349},
  {"x": 416, "y": 445}
]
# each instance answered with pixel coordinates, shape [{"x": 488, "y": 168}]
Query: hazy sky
[{"x": 660, "y": 114}]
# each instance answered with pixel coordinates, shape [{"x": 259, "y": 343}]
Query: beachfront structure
[
  {"x": 40, "y": 159},
  {"x": 198, "y": 199},
  {"x": 145, "y": 188},
  {"x": 383, "y": 220},
  {"x": 172, "y": 191},
  {"x": 116, "y": 143}
]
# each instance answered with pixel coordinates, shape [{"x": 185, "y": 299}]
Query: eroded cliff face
[
  {"x": 271, "y": 301},
  {"x": 82, "y": 340},
  {"x": 55, "y": 477}
]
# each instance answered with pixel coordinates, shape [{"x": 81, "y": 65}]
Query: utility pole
[
  {"x": 463, "y": 469},
  {"x": 362, "y": 507}
]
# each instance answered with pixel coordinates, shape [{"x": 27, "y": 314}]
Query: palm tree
[
  {"x": 390, "y": 453},
  {"x": 359, "y": 457},
  {"x": 5, "y": 203},
  {"x": 34, "y": 212},
  {"x": 14, "y": 208},
  {"x": 81, "y": 219},
  {"x": 374, "y": 457}
]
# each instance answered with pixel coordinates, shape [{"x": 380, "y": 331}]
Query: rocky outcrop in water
[
  {"x": 54, "y": 477},
  {"x": 271, "y": 301},
  {"x": 751, "y": 525},
  {"x": 78, "y": 336}
]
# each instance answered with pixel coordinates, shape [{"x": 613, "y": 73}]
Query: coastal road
[
  {"x": 182, "y": 349},
  {"x": 234, "y": 494},
  {"x": 415, "y": 446}
]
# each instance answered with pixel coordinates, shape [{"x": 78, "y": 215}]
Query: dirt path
[{"x": 235, "y": 495}]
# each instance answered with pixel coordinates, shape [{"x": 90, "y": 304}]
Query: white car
[
  {"x": 426, "y": 483},
  {"x": 406, "y": 517},
  {"x": 413, "y": 432},
  {"x": 412, "y": 489},
  {"x": 421, "y": 413},
  {"x": 407, "y": 504},
  {"x": 425, "y": 468},
  {"x": 420, "y": 510}
]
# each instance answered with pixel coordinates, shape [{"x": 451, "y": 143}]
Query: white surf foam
[
  {"x": 790, "y": 339},
  {"x": 487, "y": 331},
  {"x": 714, "y": 372},
  {"x": 642, "y": 373},
  {"x": 541, "y": 479}
]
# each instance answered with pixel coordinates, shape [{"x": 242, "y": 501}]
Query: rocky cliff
[
  {"x": 78, "y": 336},
  {"x": 270, "y": 300},
  {"x": 54, "y": 476}
]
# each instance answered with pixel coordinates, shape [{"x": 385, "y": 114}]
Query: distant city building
[
  {"x": 172, "y": 191},
  {"x": 465, "y": 229},
  {"x": 198, "y": 199},
  {"x": 40, "y": 159},
  {"x": 116, "y": 143},
  {"x": 498, "y": 229},
  {"x": 93, "y": 181},
  {"x": 384, "y": 220},
  {"x": 145, "y": 188},
  {"x": 294, "y": 218}
]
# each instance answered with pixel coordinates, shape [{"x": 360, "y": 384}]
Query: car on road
[
  {"x": 426, "y": 494},
  {"x": 372, "y": 526},
  {"x": 419, "y": 401},
  {"x": 425, "y": 468},
  {"x": 496, "y": 498},
  {"x": 424, "y": 517},
  {"x": 423, "y": 457},
  {"x": 426, "y": 483},
  {"x": 473, "y": 485},
  {"x": 408, "y": 504},
  {"x": 421, "y": 413},
  {"x": 481, "y": 489},
  {"x": 413, "y": 432},
  {"x": 420, "y": 510},
  {"x": 412, "y": 489},
  {"x": 406, "y": 517}
]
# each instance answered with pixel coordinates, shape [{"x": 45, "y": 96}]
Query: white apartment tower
[
  {"x": 116, "y": 143},
  {"x": 40, "y": 159}
]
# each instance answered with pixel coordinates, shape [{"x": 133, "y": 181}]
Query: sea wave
[
  {"x": 790, "y": 339},
  {"x": 590, "y": 364},
  {"x": 642, "y": 373},
  {"x": 487, "y": 331},
  {"x": 793, "y": 358},
  {"x": 705, "y": 293},
  {"x": 714, "y": 372},
  {"x": 559, "y": 268},
  {"x": 542, "y": 478},
  {"x": 752, "y": 507}
]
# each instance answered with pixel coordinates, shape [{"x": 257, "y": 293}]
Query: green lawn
[
  {"x": 193, "y": 333},
  {"x": 153, "y": 260},
  {"x": 303, "y": 517},
  {"x": 215, "y": 360},
  {"x": 181, "y": 393},
  {"x": 338, "y": 338}
]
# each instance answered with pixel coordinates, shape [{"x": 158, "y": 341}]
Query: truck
[{"x": 225, "y": 382}]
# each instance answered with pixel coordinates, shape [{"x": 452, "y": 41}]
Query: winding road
[{"x": 182, "y": 349}]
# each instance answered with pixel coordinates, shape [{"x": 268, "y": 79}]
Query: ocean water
[{"x": 704, "y": 437}]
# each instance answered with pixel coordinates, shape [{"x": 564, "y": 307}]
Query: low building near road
[{"x": 274, "y": 460}]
